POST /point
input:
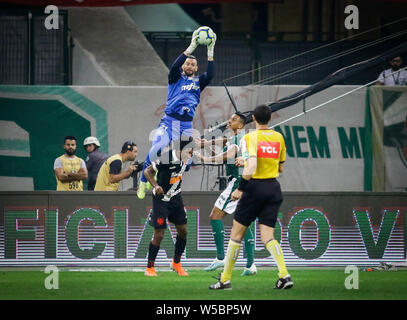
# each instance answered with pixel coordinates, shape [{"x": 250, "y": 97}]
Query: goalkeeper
[
  {"x": 224, "y": 204},
  {"x": 184, "y": 92}
]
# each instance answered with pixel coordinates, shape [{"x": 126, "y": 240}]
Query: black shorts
[
  {"x": 173, "y": 210},
  {"x": 261, "y": 199}
]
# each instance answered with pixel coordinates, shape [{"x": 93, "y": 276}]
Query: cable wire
[
  {"x": 318, "y": 48},
  {"x": 333, "y": 99},
  {"x": 327, "y": 59}
]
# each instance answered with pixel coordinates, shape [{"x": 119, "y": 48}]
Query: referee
[{"x": 260, "y": 196}]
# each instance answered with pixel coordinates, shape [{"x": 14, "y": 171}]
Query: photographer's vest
[
  {"x": 72, "y": 164},
  {"x": 102, "y": 181}
]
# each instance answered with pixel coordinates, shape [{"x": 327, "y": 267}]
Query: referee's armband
[{"x": 243, "y": 184}]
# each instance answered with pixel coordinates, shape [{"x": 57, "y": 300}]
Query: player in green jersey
[{"x": 224, "y": 204}]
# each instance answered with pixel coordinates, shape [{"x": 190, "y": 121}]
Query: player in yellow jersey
[
  {"x": 69, "y": 169},
  {"x": 111, "y": 172},
  {"x": 260, "y": 196}
]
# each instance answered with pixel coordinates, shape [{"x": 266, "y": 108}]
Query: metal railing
[{"x": 30, "y": 54}]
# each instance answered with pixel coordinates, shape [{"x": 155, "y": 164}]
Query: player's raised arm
[
  {"x": 205, "y": 78},
  {"x": 175, "y": 70},
  {"x": 211, "y": 48},
  {"x": 193, "y": 44}
]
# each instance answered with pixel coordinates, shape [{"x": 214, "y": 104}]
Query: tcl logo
[{"x": 268, "y": 149}]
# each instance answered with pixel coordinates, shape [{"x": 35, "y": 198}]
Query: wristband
[
  {"x": 210, "y": 53},
  {"x": 243, "y": 184},
  {"x": 190, "y": 49}
]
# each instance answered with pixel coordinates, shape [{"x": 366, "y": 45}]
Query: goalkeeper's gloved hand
[
  {"x": 193, "y": 44},
  {"x": 211, "y": 46}
]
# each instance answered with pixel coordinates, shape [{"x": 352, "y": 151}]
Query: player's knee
[
  {"x": 158, "y": 237},
  {"x": 216, "y": 214},
  {"x": 182, "y": 233}
]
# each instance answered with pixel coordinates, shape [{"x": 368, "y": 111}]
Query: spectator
[
  {"x": 69, "y": 169},
  {"x": 393, "y": 76},
  {"x": 111, "y": 172},
  {"x": 94, "y": 160}
]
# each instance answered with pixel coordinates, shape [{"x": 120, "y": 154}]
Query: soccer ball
[{"x": 205, "y": 36}]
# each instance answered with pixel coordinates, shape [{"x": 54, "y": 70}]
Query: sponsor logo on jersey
[
  {"x": 267, "y": 149},
  {"x": 189, "y": 87},
  {"x": 175, "y": 179}
]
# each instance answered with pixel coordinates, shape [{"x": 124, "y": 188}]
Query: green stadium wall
[{"x": 338, "y": 148}]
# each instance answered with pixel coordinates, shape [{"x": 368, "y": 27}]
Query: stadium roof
[
  {"x": 112, "y": 3},
  {"x": 156, "y": 18}
]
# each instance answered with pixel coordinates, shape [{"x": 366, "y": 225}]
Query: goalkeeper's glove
[
  {"x": 193, "y": 44},
  {"x": 211, "y": 46}
]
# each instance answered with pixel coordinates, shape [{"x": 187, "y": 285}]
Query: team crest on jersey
[{"x": 268, "y": 149}]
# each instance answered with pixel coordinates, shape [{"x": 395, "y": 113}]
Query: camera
[{"x": 139, "y": 167}]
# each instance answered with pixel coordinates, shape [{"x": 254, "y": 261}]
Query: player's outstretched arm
[
  {"x": 205, "y": 78},
  {"x": 211, "y": 48},
  {"x": 194, "y": 43},
  {"x": 219, "y": 158},
  {"x": 175, "y": 70}
]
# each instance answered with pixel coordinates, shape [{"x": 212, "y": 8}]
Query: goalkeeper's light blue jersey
[
  {"x": 183, "y": 97},
  {"x": 184, "y": 92}
]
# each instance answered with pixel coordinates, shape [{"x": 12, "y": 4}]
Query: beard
[
  {"x": 189, "y": 73},
  {"x": 395, "y": 68},
  {"x": 70, "y": 152}
]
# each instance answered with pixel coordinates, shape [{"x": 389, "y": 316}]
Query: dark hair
[
  {"x": 241, "y": 116},
  {"x": 262, "y": 113},
  {"x": 128, "y": 146},
  {"x": 69, "y": 138},
  {"x": 191, "y": 57},
  {"x": 396, "y": 56}
]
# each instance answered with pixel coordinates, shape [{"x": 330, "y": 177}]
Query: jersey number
[{"x": 73, "y": 185}]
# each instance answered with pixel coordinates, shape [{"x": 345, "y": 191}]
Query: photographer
[{"x": 110, "y": 173}]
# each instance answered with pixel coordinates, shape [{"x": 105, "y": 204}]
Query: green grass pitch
[{"x": 308, "y": 284}]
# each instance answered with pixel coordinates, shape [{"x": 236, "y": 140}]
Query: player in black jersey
[{"x": 167, "y": 201}]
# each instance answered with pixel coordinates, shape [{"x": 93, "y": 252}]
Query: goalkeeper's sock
[
  {"x": 249, "y": 247},
  {"x": 218, "y": 232},
  {"x": 231, "y": 257},
  {"x": 152, "y": 254},
  {"x": 275, "y": 250}
]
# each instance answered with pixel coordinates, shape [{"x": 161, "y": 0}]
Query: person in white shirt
[{"x": 393, "y": 76}]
